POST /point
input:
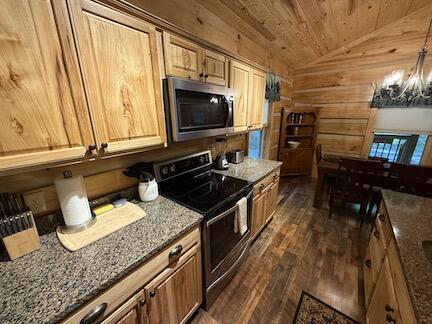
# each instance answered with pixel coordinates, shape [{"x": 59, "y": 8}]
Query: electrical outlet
[{"x": 36, "y": 201}]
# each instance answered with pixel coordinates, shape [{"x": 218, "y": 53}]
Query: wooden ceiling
[{"x": 302, "y": 31}]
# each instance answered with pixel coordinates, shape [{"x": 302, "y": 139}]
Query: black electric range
[
  {"x": 190, "y": 181},
  {"x": 205, "y": 192}
]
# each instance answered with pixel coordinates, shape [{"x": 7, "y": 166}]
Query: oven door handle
[{"x": 225, "y": 213}]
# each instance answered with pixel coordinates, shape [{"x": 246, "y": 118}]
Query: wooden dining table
[{"x": 329, "y": 165}]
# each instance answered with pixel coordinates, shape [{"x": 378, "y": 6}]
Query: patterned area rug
[{"x": 313, "y": 311}]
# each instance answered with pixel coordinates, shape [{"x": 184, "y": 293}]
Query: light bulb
[
  {"x": 397, "y": 77},
  {"x": 429, "y": 79}
]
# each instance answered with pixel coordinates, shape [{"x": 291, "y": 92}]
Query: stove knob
[
  {"x": 172, "y": 168},
  {"x": 164, "y": 171}
]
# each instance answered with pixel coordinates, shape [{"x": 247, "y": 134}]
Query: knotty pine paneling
[{"x": 340, "y": 83}]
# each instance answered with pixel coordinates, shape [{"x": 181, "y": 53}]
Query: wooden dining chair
[
  {"x": 355, "y": 184},
  {"x": 411, "y": 179}
]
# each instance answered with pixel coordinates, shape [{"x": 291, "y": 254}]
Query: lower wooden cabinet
[
  {"x": 167, "y": 289},
  {"x": 174, "y": 296},
  {"x": 264, "y": 202},
  {"x": 386, "y": 294},
  {"x": 383, "y": 306}
]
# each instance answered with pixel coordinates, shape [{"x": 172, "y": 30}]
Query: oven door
[
  {"x": 199, "y": 110},
  {"x": 222, "y": 246}
]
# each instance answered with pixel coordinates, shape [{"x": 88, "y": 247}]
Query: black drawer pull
[
  {"x": 388, "y": 308},
  {"x": 381, "y": 217},
  {"x": 390, "y": 319},
  {"x": 368, "y": 263},
  {"x": 94, "y": 314},
  {"x": 175, "y": 253},
  {"x": 377, "y": 234}
]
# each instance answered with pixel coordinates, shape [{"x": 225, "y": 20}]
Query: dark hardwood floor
[{"x": 301, "y": 249}]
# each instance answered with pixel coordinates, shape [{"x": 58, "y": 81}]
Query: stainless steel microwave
[{"x": 195, "y": 109}]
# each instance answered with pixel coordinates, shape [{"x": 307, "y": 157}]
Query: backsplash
[{"x": 102, "y": 177}]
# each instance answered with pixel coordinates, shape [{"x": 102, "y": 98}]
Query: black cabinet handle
[
  {"x": 201, "y": 75},
  {"x": 381, "y": 217},
  {"x": 92, "y": 147},
  {"x": 388, "y": 308},
  {"x": 206, "y": 76},
  {"x": 175, "y": 253},
  {"x": 142, "y": 302},
  {"x": 104, "y": 145},
  {"x": 152, "y": 293},
  {"x": 94, "y": 314},
  {"x": 368, "y": 263},
  {"x": 390, "y": 319},
  {"x": 377, "y": 234}
]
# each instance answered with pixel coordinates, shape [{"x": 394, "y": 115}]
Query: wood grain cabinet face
[
  {"x": 41, "y": 122},
  {"x": 133, "y": 311},
  {"x": 383, "y": 302},
  {"x": 120, "y": 67},
  {"x": 258, "y": 213},
  {"x": 257, "y": 95},
  {"x": 272, "y": 198},
  {"x": 182, "y": 58},
  {"x": 215, "y": 68},
  {"x": 239, "y": 83},
  {"x": 177, "y": 296}
]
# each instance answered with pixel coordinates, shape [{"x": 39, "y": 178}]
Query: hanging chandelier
[{"x": 394, "y": 91}]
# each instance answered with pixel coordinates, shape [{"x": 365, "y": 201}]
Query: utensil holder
[{"x": 22, "y": 242}]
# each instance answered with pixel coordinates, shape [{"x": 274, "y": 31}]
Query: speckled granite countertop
[
  {"x": 252, "y": 170},
  {"x": 49, "y": 284},
  {"x": 411, "y": 220}
]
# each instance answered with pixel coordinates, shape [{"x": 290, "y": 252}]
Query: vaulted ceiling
[{"x": 301, "y": 31}]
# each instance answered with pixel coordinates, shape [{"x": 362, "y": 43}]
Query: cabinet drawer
[
  {"x": 383, "y": 219},
  {"x": 369, "y": 280},
  {"x": 377, "y": 250},
  {"x": 123, "y": 289},
  {"x": 260, "y": 186}
]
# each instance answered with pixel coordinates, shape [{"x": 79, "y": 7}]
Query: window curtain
[{"x": 272, "y": 87}]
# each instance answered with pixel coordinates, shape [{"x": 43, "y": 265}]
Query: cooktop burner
[{"x": 204, "y": 192}]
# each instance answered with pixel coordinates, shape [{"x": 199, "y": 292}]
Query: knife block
[{"x": 23, "y": 242}]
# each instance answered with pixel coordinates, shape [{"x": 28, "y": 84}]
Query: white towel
[{"x": 240, "y": 219}]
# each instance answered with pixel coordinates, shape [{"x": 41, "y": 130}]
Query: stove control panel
[{"x": 168, "y": 169}]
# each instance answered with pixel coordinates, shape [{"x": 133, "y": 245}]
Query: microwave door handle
[{"x": 230, "y": 110}]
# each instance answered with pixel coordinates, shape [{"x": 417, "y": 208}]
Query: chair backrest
[
  {"x": 357, "y": 176},
  {"x": 412, "y": 179},
  {"x": 318, "y": 153}
]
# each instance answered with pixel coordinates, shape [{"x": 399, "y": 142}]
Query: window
[
  {"x": 400, "y": 148},
  {"x": 256, "y": 140}
]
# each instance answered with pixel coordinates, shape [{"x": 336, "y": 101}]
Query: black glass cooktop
[{"x": 205, "y": 192}]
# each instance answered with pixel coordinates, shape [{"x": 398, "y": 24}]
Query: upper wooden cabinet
[
  {"x": 121, "y": 75},
  {"x": 42, "y": 119},
  {"x": 188, "y": 60},
  {"x": 182, "y": 58},
  {"x": 239, "y": 83},
  {"x": 257, "y": 96},
  {"x": 215, "y": 68}
]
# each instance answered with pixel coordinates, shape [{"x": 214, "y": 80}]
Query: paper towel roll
[{"x": 73, "y": 200}]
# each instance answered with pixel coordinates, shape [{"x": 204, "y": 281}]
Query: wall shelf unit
[{"x": 297, "y": 140}]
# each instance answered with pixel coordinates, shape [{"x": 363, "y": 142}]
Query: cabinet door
[
  {"x": 215, "y": 68},
  {"x": 182, "y": 58},
  {"x": 121, "y": 72},
  {"x": 383, "y": 307},
  {"x": 134, "y": 311},
  {"x": 171, "y": 301},
  {"x": 42, "y": 122},
  {"x": 272, "y": 199},
  {"x": 257, "y": 96},
  {"x": 258, "y": 212},
  {"x": 369, "y": 279},
  {"x": 377, "y": 251},
  {"x": 296, "y": 161},
  {"x": 239, "y": 83}
]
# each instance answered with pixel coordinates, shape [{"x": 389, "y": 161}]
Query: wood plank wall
[{"x": 340, "y": 83}]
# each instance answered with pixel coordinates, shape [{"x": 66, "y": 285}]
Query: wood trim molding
[{"x": 369, "y": 135}]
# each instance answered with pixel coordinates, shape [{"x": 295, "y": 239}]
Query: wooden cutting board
[{"x": 105, "y": 224}]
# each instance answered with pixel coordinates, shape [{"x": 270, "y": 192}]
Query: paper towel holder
[{"x": 70, "y": 229}]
